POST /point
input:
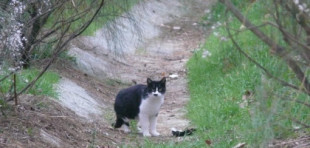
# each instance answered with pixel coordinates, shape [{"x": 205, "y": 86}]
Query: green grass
[
  {"x": 218, "y": 82},
  {"x": 44, "y": 86}
]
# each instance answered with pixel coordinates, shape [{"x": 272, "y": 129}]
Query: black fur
[
  {"x": 128, "y": 100},
  {"x": 183, "y": 133}
]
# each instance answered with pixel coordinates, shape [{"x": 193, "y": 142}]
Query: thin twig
[
  {"x": 299, "y": 122},
  {"x": 6, "y": 76},
  {"x": 15, "y": 94}
]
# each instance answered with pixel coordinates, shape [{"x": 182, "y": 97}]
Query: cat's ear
[
  {"x": 163, "y": 80},
  {"x": 148, "y": 81}
]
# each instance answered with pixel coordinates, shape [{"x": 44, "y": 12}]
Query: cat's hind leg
[
  {"x": 119, "y": 122},
  {"x": 123, "y": 124}
]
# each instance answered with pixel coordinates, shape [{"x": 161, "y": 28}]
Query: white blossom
[
  {"x": 296, "y": 2},
  {"x": 11, "y": 40}
]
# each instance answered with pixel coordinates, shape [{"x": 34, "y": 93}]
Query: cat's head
[{"x": 156, "y": 88}]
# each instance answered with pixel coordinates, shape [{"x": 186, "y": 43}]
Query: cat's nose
[{"x": 155, "y": 94}]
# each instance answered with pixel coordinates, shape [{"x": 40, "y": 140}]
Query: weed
[
  {"x": 93, "y": 140},
  {"x": 30, "y": 131}
]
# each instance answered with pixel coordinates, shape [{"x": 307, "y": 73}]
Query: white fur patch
[
  {"x": 149, "y": 109},
  {"x": 125, "y": 128},
  {"x": 126, "y": 120}
]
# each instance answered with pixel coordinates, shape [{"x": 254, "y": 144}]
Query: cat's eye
[{"x": 160, "y": 89}]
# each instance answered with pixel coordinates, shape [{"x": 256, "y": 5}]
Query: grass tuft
[{"x": 44, "y": 86}]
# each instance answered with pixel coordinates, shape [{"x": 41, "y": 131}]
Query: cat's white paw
[
  {"x": 139, "y": 130},
  {"x": 146, "y": 134},
  {"x": 155, "y": 133},
  {"x": 126, "y": 129}
]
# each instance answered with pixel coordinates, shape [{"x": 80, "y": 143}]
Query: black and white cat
[{"x": 140, "y": 102}]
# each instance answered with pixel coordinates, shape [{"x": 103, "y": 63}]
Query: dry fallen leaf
[
  {"x": 240, "y": 145},
  {"x": 208, "y": 142}
]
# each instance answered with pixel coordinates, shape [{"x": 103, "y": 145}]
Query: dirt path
[
  {"x": 170, "y": 31},
  {"x": 167, "y": 56}
]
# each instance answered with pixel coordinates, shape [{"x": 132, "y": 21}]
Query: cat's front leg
[
  {"x": 153, "y": 122},
  {"x": 145, "y": 124}
]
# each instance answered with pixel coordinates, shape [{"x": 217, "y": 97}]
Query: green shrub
[{"x": 44, "y": 86}]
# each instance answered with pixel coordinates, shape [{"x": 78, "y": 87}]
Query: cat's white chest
[{"x": 151, "y": 105}]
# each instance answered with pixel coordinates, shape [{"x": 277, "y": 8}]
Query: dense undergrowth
[{"x": 219, "y": 80}]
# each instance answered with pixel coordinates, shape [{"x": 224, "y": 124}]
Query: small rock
[
  {"x": 243, "y": 104},
  {"x": 207, "y": 11},
  {"x": 176, "y": 27},
  {"x": 242, "y": 27},
  {"x": 194, "y": 24},
  {"x": 295, "y": 127},
  {"x": 206, "y": 54},
  {"x": 173, "y": 76},
  {"x": 240, "y": 145}
]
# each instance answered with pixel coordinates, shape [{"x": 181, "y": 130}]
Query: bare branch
[
  {"x": 14, "y": 85},
  {"x": 60, "y": 46},
  {"x": 289, "y": 38},
  {"x": 257, "y": 64},
  {"x": 276, "y": 49}
]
